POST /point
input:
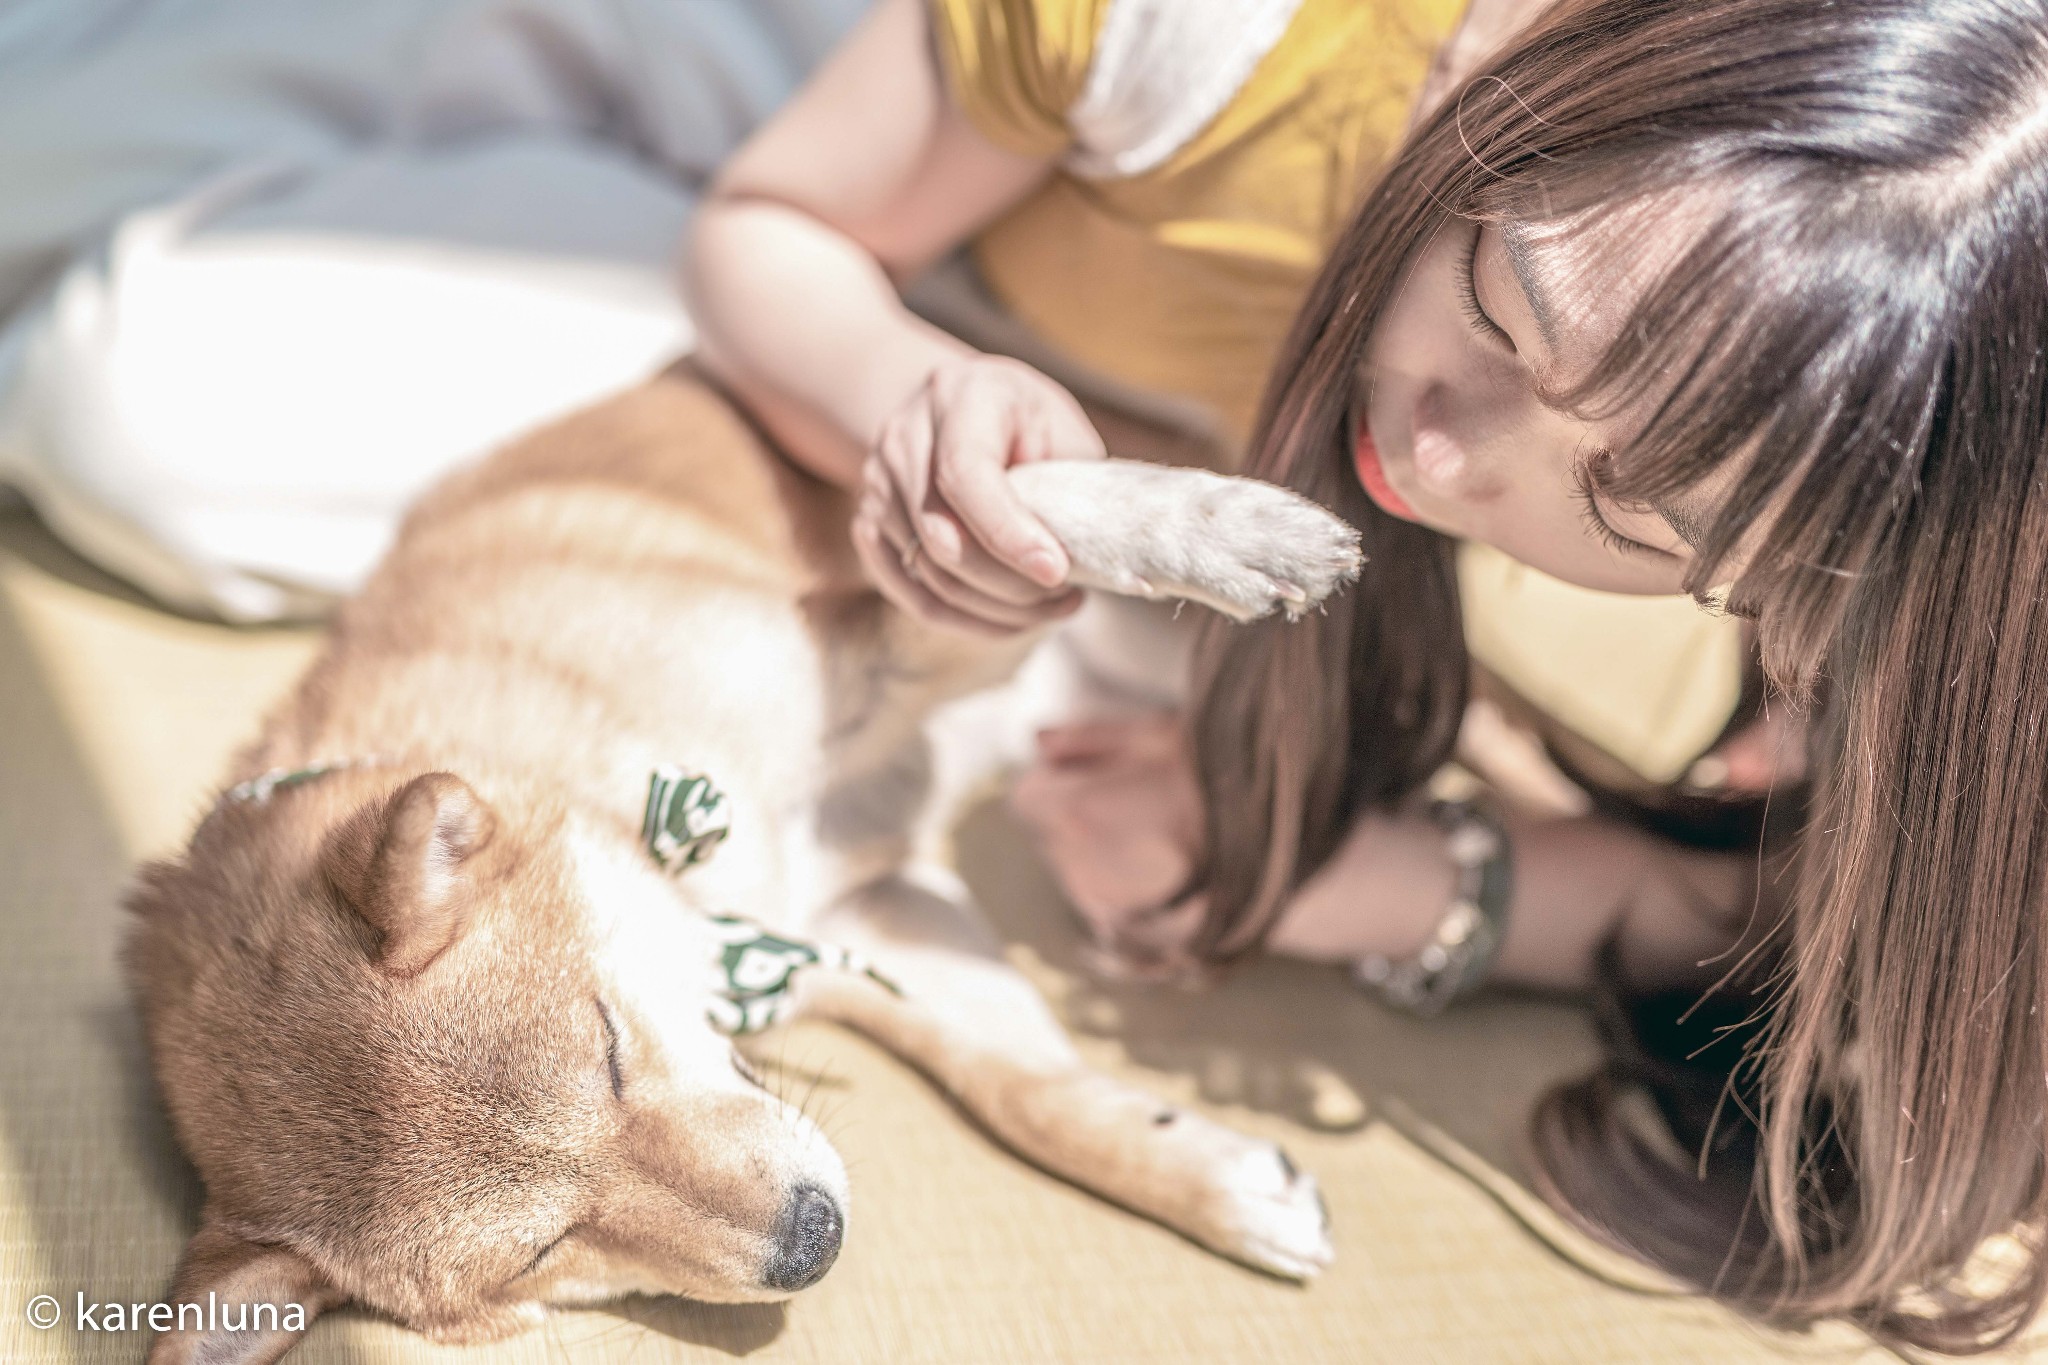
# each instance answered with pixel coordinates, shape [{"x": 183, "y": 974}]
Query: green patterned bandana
[
  {"x": 686, "y": 819},
  {"x": 755, "y": 970}
]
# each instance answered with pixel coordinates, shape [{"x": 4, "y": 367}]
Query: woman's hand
[
  {"x": 1118, "y": 816},
  {"x": 938, "y": 528}
]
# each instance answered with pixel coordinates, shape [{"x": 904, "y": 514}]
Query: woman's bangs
[{"x": 1810, "y": 371}]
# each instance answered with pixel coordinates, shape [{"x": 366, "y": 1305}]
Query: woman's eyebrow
[
  {"x": 1516, "y": 245},
  {"x": 1681, "y": 520}
]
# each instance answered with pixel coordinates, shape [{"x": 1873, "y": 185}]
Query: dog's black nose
[{"x": 807, "y": 1240}]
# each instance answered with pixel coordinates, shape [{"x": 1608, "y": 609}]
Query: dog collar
[
  {"x": 754, "y": 970},
  {"x": 259, "y": 789}
]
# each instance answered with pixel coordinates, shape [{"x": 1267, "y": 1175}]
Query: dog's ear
[
  {"x": 237, "y": 1302},
  {"x": 400, "y": 863}
]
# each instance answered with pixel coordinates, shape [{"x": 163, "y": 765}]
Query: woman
[{"x": 1745, "y": 298}]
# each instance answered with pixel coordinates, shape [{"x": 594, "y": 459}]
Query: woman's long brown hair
[{"x": 1859, "y": 311}]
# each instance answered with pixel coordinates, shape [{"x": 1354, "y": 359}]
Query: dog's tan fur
[{"x": 385, "y": 1004}]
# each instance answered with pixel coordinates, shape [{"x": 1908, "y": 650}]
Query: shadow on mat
[
  {"x": 29, "y": 540},
  {"x": 1289, "y": 1038},
  {"x": 737, "y": 1329}
]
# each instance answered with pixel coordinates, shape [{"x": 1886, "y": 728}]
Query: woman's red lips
[{"x": 1372, "y": 475}]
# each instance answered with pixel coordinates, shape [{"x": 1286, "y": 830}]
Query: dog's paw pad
[
  {"x": 1243, "y": 547},
  {"x": 1266, "y": 549}
]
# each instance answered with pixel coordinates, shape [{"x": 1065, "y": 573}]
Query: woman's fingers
[
  {"x": 1164, "y": 929},
  {"x": 971, "y": 457},
  {"x": 1044, "y": 423},
  {"x": 942, "y": 528},
  {"x": 1150, "y": 736},
  {"x": 964, "y": 596},
  {"x": 1768, "y": 752},
  {"x": 1060, "y": 430},
  {"x": 902, "y": 461},
  {"x": 913, "y": 564},
  {"x": 979, "y": 569},
  {"x": 907, "y": 460},
  {"x": 885, "y": 569}
]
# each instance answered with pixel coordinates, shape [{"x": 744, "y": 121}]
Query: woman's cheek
[
  {"x": 1463, "y": 452},
  {"x": 1482, "y": 438}
]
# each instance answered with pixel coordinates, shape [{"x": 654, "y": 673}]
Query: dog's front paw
[
  {"x": 1250, "y": 548},
  {"x": 1237, "y": 1195},
  {"x": 1261, "y": 1210},
  {"x": 1240, "y": 546}
]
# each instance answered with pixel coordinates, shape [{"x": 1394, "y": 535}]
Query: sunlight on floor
[{"x": 143, "y": 694}]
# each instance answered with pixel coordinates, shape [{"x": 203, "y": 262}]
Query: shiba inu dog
[{"x": 440, "y": 996}]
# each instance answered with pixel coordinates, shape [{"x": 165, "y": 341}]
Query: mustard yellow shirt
[{"x": 1182, "y": 280}]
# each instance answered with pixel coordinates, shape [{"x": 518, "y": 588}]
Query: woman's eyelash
[
  {"x": 1589, "y": 512},
  {"x": 1468, "y": 297}
]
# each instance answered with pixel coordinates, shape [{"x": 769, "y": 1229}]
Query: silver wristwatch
[{"x": 1468, "y": 937}]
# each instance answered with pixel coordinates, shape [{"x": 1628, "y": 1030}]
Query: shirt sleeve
[{"x": 1015, "y": 67}]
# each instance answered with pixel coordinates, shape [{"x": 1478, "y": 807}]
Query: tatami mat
[{"x": 114, "y": 719}]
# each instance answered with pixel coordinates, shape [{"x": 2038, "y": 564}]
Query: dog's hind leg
[{"x": 983, "y": 1033}]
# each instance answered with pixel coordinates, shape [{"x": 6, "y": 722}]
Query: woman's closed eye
[
  {"x": 1596, "y": 521},
  {"x": 1468, "y": 296}
]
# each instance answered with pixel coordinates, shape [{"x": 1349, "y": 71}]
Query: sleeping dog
[{"x": 441, "y": 996}]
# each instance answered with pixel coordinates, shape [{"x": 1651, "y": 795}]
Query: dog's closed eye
[
  {"x": 545, "y": 1251},
  {"x": 611, "y": 1051},
  {"x": 746, "y": 1069}
]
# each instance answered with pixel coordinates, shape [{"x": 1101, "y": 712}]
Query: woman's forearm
[
  {"x": 1578, "y": 883},
  {"x": 1670, "y": 910},
  {"x": 807, "y": 329},
  {"x": 867, "y": 176}
]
